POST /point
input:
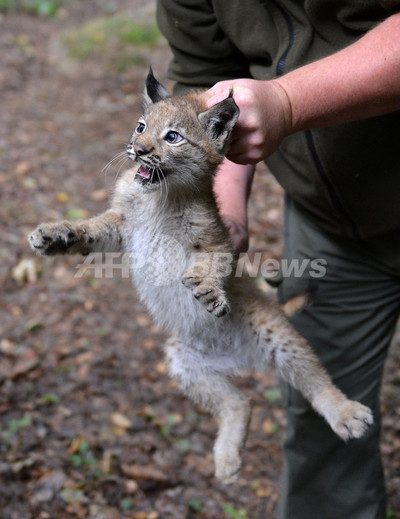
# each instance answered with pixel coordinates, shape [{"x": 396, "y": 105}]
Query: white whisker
[
  {"x": 121, "y": 165},
  {"x": 163, "y": 181},
  {"x": 115, "y": 158}
]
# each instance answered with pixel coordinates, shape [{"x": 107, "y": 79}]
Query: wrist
[
  {"x": 359, "y": 81},
  {"x": 285, "y": 103},
  {"x": 305, "y": 91}
]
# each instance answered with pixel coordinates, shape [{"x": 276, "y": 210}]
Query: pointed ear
[
  {"x": 154, "y": 91},
  {"x": 219, "y": 120}
]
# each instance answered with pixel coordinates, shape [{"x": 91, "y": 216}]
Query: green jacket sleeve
[
  {"x": 390, "y": 5},
  {"x": 202, "y": 53}
]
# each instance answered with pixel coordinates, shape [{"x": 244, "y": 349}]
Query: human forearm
[
  {"x": 360, "y": 81},
  {"x": 232, "y": 187}
]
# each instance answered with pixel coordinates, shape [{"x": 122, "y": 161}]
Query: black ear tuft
[
  {"x": 154, "y": 90},
  {"x": 219, "y": 120}
]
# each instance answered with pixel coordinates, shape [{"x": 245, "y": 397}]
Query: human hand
[{"x": 264, "y": 121}]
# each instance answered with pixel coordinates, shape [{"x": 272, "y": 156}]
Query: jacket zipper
[{"x": 280, "y": 69}]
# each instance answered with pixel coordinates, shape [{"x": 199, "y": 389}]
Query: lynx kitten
[{"x": 220, "y": 325}]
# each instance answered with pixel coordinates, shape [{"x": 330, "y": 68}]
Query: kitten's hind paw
[
  {"x": 353, "y": 421},
  {"x": 52, "y": 238},
  {"x": 227, "y": 467}
]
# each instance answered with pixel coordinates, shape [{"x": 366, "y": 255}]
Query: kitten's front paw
[
  {"x": 52, "y": 238},
  {"x": 209, "y": 294},
  {"x": 353, "y": 420}
]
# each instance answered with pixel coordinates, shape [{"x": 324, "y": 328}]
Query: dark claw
[{"x": 202, "y": 294}]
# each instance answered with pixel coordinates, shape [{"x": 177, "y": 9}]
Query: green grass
[
  {"x": 118, "y": 38},
  {"x": 235, "y": 514},
  {"x": 130, "y": 32},
  {"x": 195, "y": 504},
  {"x": 14, "y": 426},
  {"x": 83, "y": 457},
  {"x": 47, "y": 8}
]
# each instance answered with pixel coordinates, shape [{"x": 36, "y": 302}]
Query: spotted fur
[{"x": 164, "y": 212}]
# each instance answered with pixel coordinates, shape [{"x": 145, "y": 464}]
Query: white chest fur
[
  {"x": 160, "y": 253},
  {"x": 161, "y": 246}
]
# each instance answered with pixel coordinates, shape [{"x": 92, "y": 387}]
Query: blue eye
[
  {"x": 173, "y": 137},
  {"x": 140, "y": 128}
]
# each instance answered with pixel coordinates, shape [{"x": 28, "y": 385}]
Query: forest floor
[{"x": 90, "y": 424}]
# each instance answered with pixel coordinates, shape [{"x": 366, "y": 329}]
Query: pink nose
[{"x": 139, "y": 150}]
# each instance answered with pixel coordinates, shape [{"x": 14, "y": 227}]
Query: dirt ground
[{"x": 91, "y": 426}]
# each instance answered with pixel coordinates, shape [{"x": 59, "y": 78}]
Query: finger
[
  {"x": 217, "y": 97},
  {"x": 218, "y": 92},
  {"x": 242, "y": 131},
  {"x": 243, "y": 158},
  {"x": 240, "y": 147},
  {"x": 248, "y": 144}
]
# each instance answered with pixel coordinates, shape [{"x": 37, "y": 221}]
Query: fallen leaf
[
  {"x": 126, "y": 504},
  {"x": 63, "y": 197},
  {"x": 49, "y": 485},
  {"x": 32, "y": 325},
  {"x": 19, "y": 466},
  {"x": 77, "y": 510},
  {"x": 50, "y": 398},
  {"x": 120, "y": 420},
  {"x": 78, "y": 444},
  {"x": 99, "y": 195},
  {"x": 269, "y": 426},
  {"x": 183, "y": 445},
  {"x": 50, "y": 126},
  {"x": 24, "y": 365},
  {"x": 29, "y": 182},
  {"x": 77, "y": 214},
  {"x": 89, "y": 305},
  {"x": 106, "y": 461},
  {"x": 203, "y": 465},
  {"x": 8, "y": 348},
  {"x": 72, "y": 495},
  {"x": 22, "y": 168},
  {"x": 161, "y": 368},
  {"x": 143, "y": 320},
  {"x": 146, "y": 515},
  {"x": 87, "y": 356},
  {"x": 273, "y": 395},
  {"x": 141, "y": 472},
  {"x": 149, "y": 344},
  {"x": 195, "y": 504},
  {"x": 131, "y": 486},
  {"x": 25, "y": 271}
]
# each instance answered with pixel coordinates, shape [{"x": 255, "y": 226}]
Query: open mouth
[{"x": 147, "y": 175}]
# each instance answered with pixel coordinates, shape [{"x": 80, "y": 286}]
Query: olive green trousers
[{"x": 350, "y": 325}]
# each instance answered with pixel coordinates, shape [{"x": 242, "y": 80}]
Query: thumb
[{"x": 217, "y": 93}]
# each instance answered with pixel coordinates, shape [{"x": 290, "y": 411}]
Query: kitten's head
[{"x": 178, "y": 140}]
